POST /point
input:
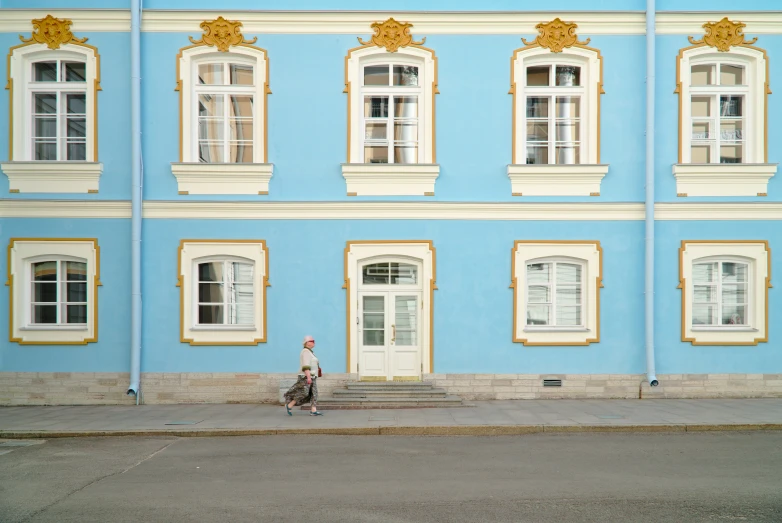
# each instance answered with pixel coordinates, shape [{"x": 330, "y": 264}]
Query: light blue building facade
[{"x": 469, "y": 196}]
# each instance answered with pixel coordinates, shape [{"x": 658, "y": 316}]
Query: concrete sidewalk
[{"x": 482, "y": 418}]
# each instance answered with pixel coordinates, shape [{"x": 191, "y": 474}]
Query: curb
[{"x": 477, "y": 430}]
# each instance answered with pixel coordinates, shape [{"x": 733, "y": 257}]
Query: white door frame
[{"x": 358, "y": 253}]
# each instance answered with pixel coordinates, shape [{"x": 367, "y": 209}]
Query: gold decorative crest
[
  {"x": 723, "y": 35},
  {"x": 222, "y": 33},
  {"x": 556, "y": 35},
  {"x": 53, "y": 32},
  {"x": 392, "y": 35}
]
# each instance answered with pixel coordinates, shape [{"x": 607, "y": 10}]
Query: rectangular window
[
  {"x": 58, "y": 292},
  {"x": 720, "y": 293},
  {"x": 554, "y": 294},
  {"x": 225, "y": 293}
]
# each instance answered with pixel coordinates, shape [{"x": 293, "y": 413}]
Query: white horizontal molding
[
  {"x": 372, "y": 179},
  {"x": 556, "y": 180},
  {"x": 723, "y": 179},
  {"x": 24, "y": 208},
  {"x": 53, "y": 177},
  {"x": 676, "y": 211},
  {"x": 424, "y": 23},
  {"x": 223, "y": 178},
  {"x": 691, "y": 23},
  {"x": 84, "y": 20}
]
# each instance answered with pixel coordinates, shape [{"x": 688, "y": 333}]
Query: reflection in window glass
[
  {"x": 58, "y": 292},
  {"x": 225, "y": 293},
  {"x": 555, "y": 294},
  {"x": 390, "y": 273},
  {"x": 720, "y": 293}
]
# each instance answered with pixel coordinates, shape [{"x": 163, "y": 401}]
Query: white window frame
[
  {"x": 196, "y": 281},
  {"x": 583, "y": 178},
  {"x": 22, "y": 253},
  {"x": 587, "y": 253},
  {"x": 193, "y": 252},
  {"x": 554, "y": 261},
  {"x": 756, "y": 254},
  {"x": 410, "y": 179},
  {"x": 749, "y": 178},
  {"x": 194, "y": 177},
  {"x": 25, "y": 174}
]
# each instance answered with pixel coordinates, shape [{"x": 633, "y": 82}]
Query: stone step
[
  {"x": 359, "y": 393},
  {"x": 386, "y": 402},
  {"x": 389, "y": 385}
]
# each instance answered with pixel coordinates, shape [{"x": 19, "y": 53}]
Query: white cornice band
[{"x": 504, "y": 211}]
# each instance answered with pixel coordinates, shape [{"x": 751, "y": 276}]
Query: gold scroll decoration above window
[
  {"x": 392, "y": 35},
  {"x": 723, "y": 35},
  {"x": 556, "y": 36},
  {"x": 53, "y": 32},
  {"x": 222, "y": 33}
]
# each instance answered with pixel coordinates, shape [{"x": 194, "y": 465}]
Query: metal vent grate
[{"x": 552, "y": 383}]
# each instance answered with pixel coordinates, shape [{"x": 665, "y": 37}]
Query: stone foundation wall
[{"x": 107, "y": 388}]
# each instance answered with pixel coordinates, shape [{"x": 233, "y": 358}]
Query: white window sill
[
  {"x": 222, "y": 328},
  {"x": 53, "y": 177},
  {"x": 723, "y": 179},
  {"x": 555, "y": 329},
  {"x": 556, "y": 180},
  {"x": 372, "y": 179},
  {"x": 222, "y": 178},
  {"x": 723, "y": 329},
  {"x": 54, "y": 328}
]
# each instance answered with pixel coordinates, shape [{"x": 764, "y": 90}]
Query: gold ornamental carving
[
  {"x": 222, "y": 33},
  {"x": 556, "y": 36},
  {"x": 723, "y": 35},
  {"x": 392, "y": 35},
  {"x": 53, "y": 32}
]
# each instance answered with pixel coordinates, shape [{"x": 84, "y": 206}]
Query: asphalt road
[{"x": 683, "y": 477}]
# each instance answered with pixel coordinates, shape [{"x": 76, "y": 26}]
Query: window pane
[
  {"x": 374, "y": 338},
  {"x": 241, "y": 129},
  {"x": 405, "y": 131},
  {"x": 403, "y": 273},
  {"x": 700, "y": 131},
  {"x": 704, "y": 294},
  {"x": 373, "y": 320},
  {"x": 44, "y": 314},
  {"x": 405, "y": 75},
  {"x": 704, "y": 272},
  {"x": 76, "y": 292},
  {"x": 75, "y": 72},
  {"x": 568, "y": 76},
  {"x": 76, "y": 152},
  {"x": 75, "y": 103},
  {"x": 210, "y": 74},
  {"x": 731, "y": 153},
  {"x": 734, "y": 294},
  {"x": 703, "y": 314},
  {"x": 76, "y": 271},
  {"x": 45, "y": 127},
  {"x": 568, "y": 316},
  {"x": 210, "y": 152},
  {"x": 734, "y": 315},
  {"x": 568, "y": 131},
  {"x": 537, "y": 131},
  {"x": 76, "y": 314},
  {"x": 405, "y": 312},
  {"x": 210, "y": 271},
  {"x": 77, "y": 127},
  {"x": 241, "y": 152},
  {"x": 734, "y": 272},
  {"x": 240, "y": 106},
  {"x": 210, "y": 314},
  {"x": 210, "y": 129},
  {"x": 731, "y": 75},
  {"x": 210, "y": 293},
  {"x": 45, "y": 271},
  {"x": 46, "y": 103},
  {"x": 241, "y": 74},
  {"x": 45, "y": 292},
  {"x": 537, "y": 107},
  {"x": 538, "y": 76},
  {"x": 376, "y": 106},
  {"x": 568, "y": 273},
  {"x": 406, "y": 154},
  {"x": 375, "y": 131},
  {"x": 731, "y": 130},
  {"x": 242, "y": 272},
  {"x": 45, "y": 151},
  {"x": 538, "y": 314},
  {"x": 538, "y": 273},
  {"x": 700, "y": 154},
  {"x": 45, "y": 71},
  {"x": 539, "y": 294},
  {"x": 376, "y": 154},
  {"x": 568, "y": 295},
  {"x": 376, "y": 75},
  {"x": 374, "y": 304},
  {"x": 406, "y": 107},
  {"x": 701, "y": 106},
  {"x": 731, "y": 106},
  {"x": 568, "y": 106},
  {"x": 567, "y": 154},
  {"x": 537, "y": 155},
  {"x": 702, "y": 74},
  {"x": 377, "y": 273},
  {"x": 210, "y": 105}
]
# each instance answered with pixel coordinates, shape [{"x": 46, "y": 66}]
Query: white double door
[{"x": 389, "y": 330}]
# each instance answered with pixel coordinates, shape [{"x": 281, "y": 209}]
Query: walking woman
[{"x": 305, "y": 390}]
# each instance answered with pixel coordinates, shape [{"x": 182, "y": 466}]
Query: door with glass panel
[{"x": 389, "y": 317}]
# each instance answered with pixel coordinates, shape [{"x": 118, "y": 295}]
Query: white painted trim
[
  {"x": 723, "y": 179},
  {"x": 691, "y": 23},
  {"x": 190, "y": 254},
  {"x": 757, "y": 256},
  {"x": 586, "y": 253},
  {"x": 22, "y": 251},
  {"x": 556, "y": 180},
  {"x": 366, "y": 179},
  {"x": 223, "y": 178},
  {"x": 24, "y": 208},
  {"x": 423, "y": 254},
  {"x": 84, "y": 20},
  {"x": 53, "y": 177},
  {"x": 424, "y": 23},
  {"x": 755, "y": 211}
]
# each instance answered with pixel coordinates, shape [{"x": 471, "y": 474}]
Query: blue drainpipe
[
  {"x": 136, "y": 197},
  {"x": 649, "y": 204}
]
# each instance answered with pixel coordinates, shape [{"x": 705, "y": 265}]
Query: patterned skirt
[{"x": 303, "y": 393}]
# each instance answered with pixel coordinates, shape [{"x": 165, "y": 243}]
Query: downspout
[
  {"x": 649, "y": 203},
  {"x": 136, "y": 197}
]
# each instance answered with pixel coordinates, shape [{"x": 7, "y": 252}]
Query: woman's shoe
[
  {"x": 316, "y": 413},
  {"x": 288, "y": 409}
]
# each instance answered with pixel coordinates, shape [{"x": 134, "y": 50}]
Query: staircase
[{"x": 388, "y": 395}]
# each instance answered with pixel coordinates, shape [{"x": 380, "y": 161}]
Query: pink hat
[{"x": 308, "y": 338}]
